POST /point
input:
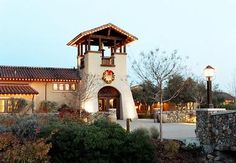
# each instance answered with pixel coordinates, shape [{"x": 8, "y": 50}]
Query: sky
[{"x": 35, "y": 32}]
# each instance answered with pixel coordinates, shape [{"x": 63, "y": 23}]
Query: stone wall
[
  {"x": 216, "y": 129},
  {"x": 224, "y": 130},
  {"x": 181, "y": 116}
]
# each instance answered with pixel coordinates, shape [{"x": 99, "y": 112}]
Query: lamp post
[{"x": 209, "y": 74}]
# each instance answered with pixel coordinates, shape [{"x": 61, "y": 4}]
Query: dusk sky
[{"x": 35, "y": 32}]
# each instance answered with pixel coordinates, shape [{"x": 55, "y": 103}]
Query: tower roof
[{"x": 108, "y": 33}]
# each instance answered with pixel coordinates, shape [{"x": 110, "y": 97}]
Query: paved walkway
[{"x": 170, "y": 130}]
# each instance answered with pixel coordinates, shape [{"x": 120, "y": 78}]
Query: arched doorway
[{"x": 109, "y": 98}]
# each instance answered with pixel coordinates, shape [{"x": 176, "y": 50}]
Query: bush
[
  {"x": 73, "y": 115},
  {"x": 171, "y": 148},
  {"x": 6, "y": 140},
  {"x": 7, "y": 120},
  {"x": 99, "y": 142},
  {"x": 26, "y": 128},
  {"x": 229, "y": 106},
  {"x": 154, "y": 132},
  {"x": 48, "y": 107},
  {"x": 138, "y": 147},
  {"x": 28, "y": 152}
]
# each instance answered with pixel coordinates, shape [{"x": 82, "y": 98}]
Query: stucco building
[{"x": 101, "y": 54}]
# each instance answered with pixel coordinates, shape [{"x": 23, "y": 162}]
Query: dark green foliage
[
  {"x": 229, "y": 106},
  {"x": 138, "y": 147},
  {"x": 146, "y": 93},
  {"x": 99, "y": 142}
]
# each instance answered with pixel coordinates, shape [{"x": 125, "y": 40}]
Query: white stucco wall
[{"x": 93, "y": 66}]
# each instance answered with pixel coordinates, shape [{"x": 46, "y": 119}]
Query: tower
[{"x": 102, "y": 53}]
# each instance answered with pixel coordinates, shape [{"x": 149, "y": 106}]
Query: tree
[
  {"x": 157, "y": 67},
  {"x": 145, "y": 93},
  {"x": 86, "y": 89},
  {"x": 233, "y": 85},
  {"x": 177, "y": 90}
]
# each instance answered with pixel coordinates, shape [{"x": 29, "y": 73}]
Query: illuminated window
[
  {"x": 73, "y": 88},
  {"x": 55, "y": 87},
  {"x": 67, "y": 87},
  {"x": 64, "y": 87},
  {"x": 2, "y": 105},
  {"x": 61, "y": 87}
]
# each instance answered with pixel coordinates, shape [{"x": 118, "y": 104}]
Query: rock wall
[
  {"x": 183, "y": 116},
  {"x": 216, "y": 129},
  {"x": 223, "y": 129}
]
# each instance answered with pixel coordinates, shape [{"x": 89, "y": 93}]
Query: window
[
  {"x": 8, "y": 105},
  {"x": 2, "y": 105},
  {"x": 64, "y": 87},
  {"x": 55, "y": 87},
  {"x": 61, "y": 87},
  {"x": 73, "y": 88},
  {"x": 67, "y": 87}
]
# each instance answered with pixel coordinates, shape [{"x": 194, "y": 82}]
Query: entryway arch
[{"x": 109, "y": 98}]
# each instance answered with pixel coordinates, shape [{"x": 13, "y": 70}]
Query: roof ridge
[{"x": 31, "y": 67}]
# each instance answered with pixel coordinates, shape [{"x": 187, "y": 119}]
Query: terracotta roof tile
[
  {"x": 109, "y": 25},
  {"x": 33, "y": 73},
  {"x": 16, "y": 89}
]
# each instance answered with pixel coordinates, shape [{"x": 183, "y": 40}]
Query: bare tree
[
  {"x": 86, "y": 88},
  {"x": 157, "y": 67},
  {"x": 233, "y": 85}
]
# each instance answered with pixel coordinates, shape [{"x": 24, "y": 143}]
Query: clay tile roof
[
  {"x": 34, "y": 73},
  {"x": 130, "y": 37},
  {"x": 16, "y": 89}
]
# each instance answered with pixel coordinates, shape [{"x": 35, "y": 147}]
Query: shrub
[
  {"x": 171, "y": 148},
  {"x": 28, "y": 152},
  {"x": 48, "y": 106},
  {"x": 73, "y": 115},
  {"x": 7, "y": 120},
  {"x": 229, "y": 106},
  {"x": 154, "y": 132},
  {"x": 99, "y": 142},
  {"x": 26, "y": 128},
  {"x": 6, "y": 140},
  {"x": 138, "y": 147}
]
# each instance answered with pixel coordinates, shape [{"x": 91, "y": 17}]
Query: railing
[{"x": 108, "y": 61}]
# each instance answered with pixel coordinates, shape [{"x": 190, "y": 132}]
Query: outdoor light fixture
[{"x": 209, "y": 74}]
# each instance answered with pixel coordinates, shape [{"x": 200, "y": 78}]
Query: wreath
[{"x": 108, "y": 76}]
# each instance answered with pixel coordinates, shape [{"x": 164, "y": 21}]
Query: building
[{"x": 101, "y": 55}]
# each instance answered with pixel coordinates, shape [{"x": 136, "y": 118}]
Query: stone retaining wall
[
  {"x": 224, "y": 131},
  {"x": 216, "y": 129},
  {"x": 183, "y": 116}
]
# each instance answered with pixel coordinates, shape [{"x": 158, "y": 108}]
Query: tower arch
[{"x": 109, "y": 98}]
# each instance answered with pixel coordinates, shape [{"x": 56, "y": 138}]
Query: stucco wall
[
  {"x": 93, "y": 66},
  {"x": 45, "y": 90}
]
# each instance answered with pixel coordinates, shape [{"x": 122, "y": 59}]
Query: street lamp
[{"x": 209, "y": 74}]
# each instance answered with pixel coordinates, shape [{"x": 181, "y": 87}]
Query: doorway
[{"x": 109, "y": 98}]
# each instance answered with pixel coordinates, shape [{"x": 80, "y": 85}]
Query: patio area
[{"x": 178, "y": 131}]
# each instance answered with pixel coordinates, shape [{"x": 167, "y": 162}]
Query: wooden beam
[
  {"x": 106, "y": 37},
  {"x": 109, "y": 32},
  {"x": 79, "y": 50},
  {"x": 124, "y": 48},
  {"x": 89, "y": 44},
  {"x": 100, "y": 43}
]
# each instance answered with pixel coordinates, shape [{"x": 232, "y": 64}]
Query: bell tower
[{"x": 102, "y": 53}]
